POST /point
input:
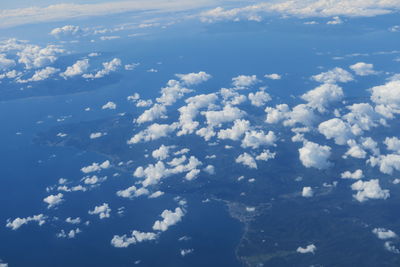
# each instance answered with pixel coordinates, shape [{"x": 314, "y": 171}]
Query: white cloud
[
  {"x": 95, "y": 167},
  {"x": 76, "y": 220},
  {"x": 68, "y": 11},
  {"x": 53, "y": 200},
  {"x": 355, "y": 150},
  {"x": 259, "y": 98},
  {"x": 71, "y": 234},
  {"x": 227, "y": 114},
  {"x": 103, "y": 211},
  {"x": 266, "y": 155},
  {"x": 189, "y": 112},
  {"x": 357, "y": 174},
  {"x": 273, "y": 76},
  {"x": 170, "y": 218},
  {"x": 333, "y": 76},
  {"x": 18, "y": 222},
  {"x": 308, "y": 249},
  {"x": 244, "y": 81},
  {"x": 95, "y": 135},
  {"x": 387, "y": 163},
  {"x": 387, "y": 94},
  {"x": 302, "y": 9},
  {"x": 33, "y": 56},
  {"x": 161, "y": 153},
  {"x": 194, "y": 78},
  {"x": 236, "y": 132},
  {"x": 109, "y": 105},
  {"x": 40, "y": 75},
  {"x": 335, "y": 21},
  {"x": 153, "y": 173},
  {"x": 153, "y": 132},
  {"x": 156, "y": 194},
  {"x": 315, "y": 155},
  {"x": 6, "y": 63},
  {"x": 185, "y": 252},
  {"x": 132, "y": 192},
  {"x": 321, "y": 97},
  {"x": 383, "y": 233},
  {"x": 363, "y": 69},
  {"x": 108, "y": 67},
  {"x": 172, "y": 92},
  {"x": 66, "y": 31},
  {"x": 391, "y": 248},
  {"x": 302, "y": 114},
  {"x": 307, "y": 192},
  {"x": 336, "y": 129},
  {"x": 193, "y": 174},
  {"x": 247, "y": 160},
  {"x": 155, "y": 112},
  {"x": 136, "y": 237},
  {"x": 78, "y": 68},
  {"x": 369, "y": 190},
  {"x": 255, "y": 139},
  {"x": 393, "y": 144}
]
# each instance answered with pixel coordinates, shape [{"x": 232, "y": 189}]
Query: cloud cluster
[{"x": 369, "y": 190}]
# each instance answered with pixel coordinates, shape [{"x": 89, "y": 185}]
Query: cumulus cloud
[
  {"x": 363, "y": 69},
  {"x": 109, "y": 105},
  {"x": 189, "y": 112},
  {"x": 302, "y": 114},
  {"x": 194, "y": 78},
  {"x": 132, "y": 192},
  {"x": 383, "y": 233},
  {"x": 40, "y": 75},
  {"x": 169, "y": 218},
  {"x": 336, "y": 129},
  {"x": 387, "y": 94},
  {"x": 321, "y": 97},
  {"x": 153, "y": 132},
  {"x": 78, "y": 68},
  {"x": 247, "y": 160},
  {"x": 153, "y": 173},
  {"x": 333, "y": 76},
  {"x": 273, "y": 76},
  {"x": 53, "y": 200},
  {"x": 18, "y": 222},
  {"x": 357, "y": 174},
  {"x": 259, "y": 98},
  {"x": 66, "y": 31},
  {"x": 33, "y": 56},
  {"x": 307, "y": 192},
  {"x": 308, "y": 249},
  {"x": 6, "y": 63},
  {"x": 266, "y": 155},
  {"x": 369, "y": 190},
  {"x": 236, "y": 132},
  {"x": 135, "y": 237},
  {"x": 387, "y": 163},
  {"x": 392, "y": 144},
  {"x": 108, "y": 67},
  {"x": 227, "y": 114},
  {"x": 103, "y": 211},
  {"x": 155, "y": 112},
  {"x": 95, "y": 167},
  {"x": 315, "y": 155},
  {"x": 161, "y": 153},
  {"x": 255, "y": 139},
  {"x": 244, "y": 81}
]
